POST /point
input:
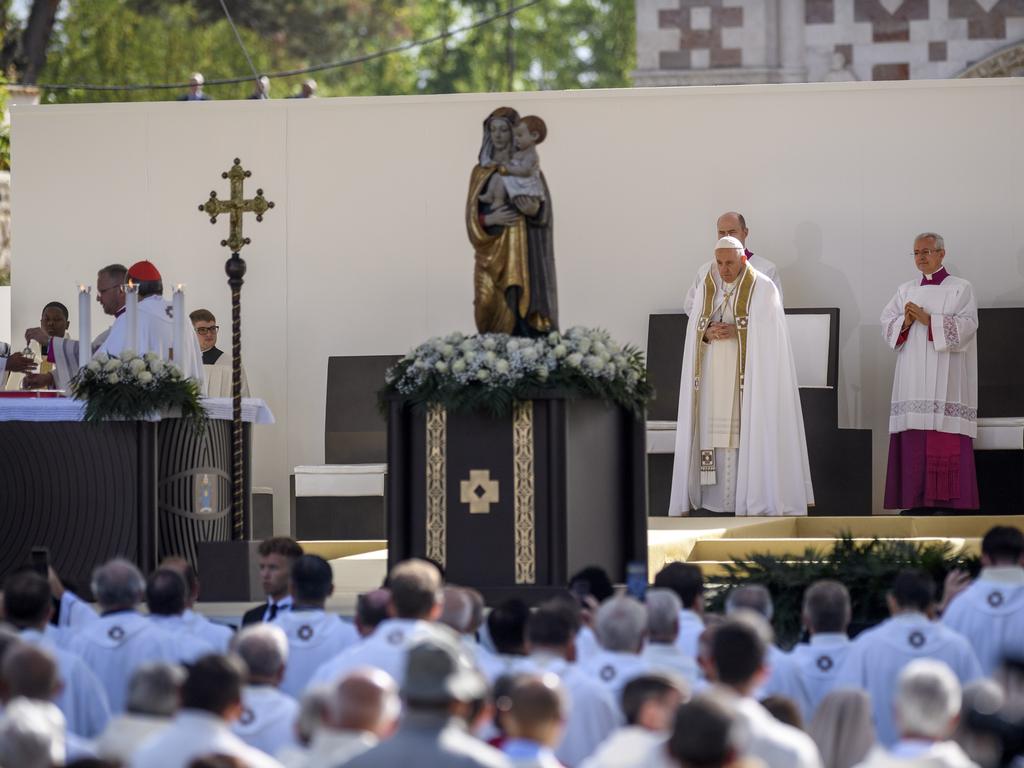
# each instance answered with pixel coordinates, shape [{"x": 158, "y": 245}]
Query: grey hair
[
  {"x": 927, "y": 699},
  {"x": 154, "y": 689},
  {"x": 753, "y": 597},
  {"x": 621, "y": 624},
  {"x": 663, "y": 607},
  {"x": 263, "y": 648},
  {"x": 118, "y": 584},
  {"x": 940, "y": 243},
  {"x": 32, "y": 734},
  {"x": 314, "y": 705}
]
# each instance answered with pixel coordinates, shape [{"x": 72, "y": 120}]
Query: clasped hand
[
  {"x": 719, "y": 331},
  {"x": 912, "y": 312}
]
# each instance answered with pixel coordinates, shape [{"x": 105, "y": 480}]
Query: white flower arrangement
[
  {"x": 133, "y": 386},
  {"x": 493, "y": 370}
]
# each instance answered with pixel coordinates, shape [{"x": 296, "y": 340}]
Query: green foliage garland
[
  {"x": 131, "y": 387},
  {"x": 866, "y": 568}
]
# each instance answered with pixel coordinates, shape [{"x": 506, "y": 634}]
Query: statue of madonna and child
[{"x": 509, "y": 220}]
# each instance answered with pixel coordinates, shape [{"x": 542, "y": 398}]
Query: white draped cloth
[
  {"x": 156, "y": 334},
  {"x": 114, "y": 645},
  {"x": 667, "y": 658},
  {"x": 217, "y": 635},
  {"x": 878, "y": 655},
  {"x": 190, "y": 646},
  {"x": 817, "y": 664},
  {"x": 268, "y": 719},
  {"x": 385, "y": 649},
  {"x": 762, "y": 465},
  {"x": 613, "y": 669},
  {"x": 193, "y": 734},
  {"x": 691, "y": 627},
  {"x": 990, "y": 615},
  {"x": 776, "y": 744},
  {"x": 936, "y": 383},
  {"x": 314, "y": 638}
]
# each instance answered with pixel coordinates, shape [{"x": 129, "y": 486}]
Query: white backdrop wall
[{"x": 366, "y": 251}]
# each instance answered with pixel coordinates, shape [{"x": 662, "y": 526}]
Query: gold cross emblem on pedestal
[{"x": 479, "y": 491}]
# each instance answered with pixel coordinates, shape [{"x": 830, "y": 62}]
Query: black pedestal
[{"x": 512, "y": 506}]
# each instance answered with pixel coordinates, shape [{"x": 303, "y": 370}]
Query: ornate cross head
[{"x": 236, "y": 206}]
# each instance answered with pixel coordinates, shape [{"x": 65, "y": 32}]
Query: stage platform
[{"x": 709, "y": 542}]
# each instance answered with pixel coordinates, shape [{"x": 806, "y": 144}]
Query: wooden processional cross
[{"x": 236, "y": 206}]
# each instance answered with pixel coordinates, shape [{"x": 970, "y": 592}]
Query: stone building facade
[{"x": 709, "y": 42}]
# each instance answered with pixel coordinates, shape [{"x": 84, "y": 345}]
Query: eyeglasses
[
  {"x": 928, "y": 251},
  {"x": 208, "y": 330}
]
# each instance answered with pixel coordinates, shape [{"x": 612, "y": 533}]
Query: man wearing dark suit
[
  {"x": 276, "y": 556},
  {"x": 205, "y": 326}
]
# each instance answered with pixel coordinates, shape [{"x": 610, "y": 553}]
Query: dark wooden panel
[
  {"x": 339, "y": 518},
  {"x": 84, "y": 491},
  {"x": 1000, "y": 363},
  {"x": 355, "y": 432}
]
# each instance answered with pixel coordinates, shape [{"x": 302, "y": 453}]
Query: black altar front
[
  {"x": 515, "y": 505},
  {"x": 89, "y": 492}
]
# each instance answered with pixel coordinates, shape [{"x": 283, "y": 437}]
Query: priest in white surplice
[
  {"x": 155, "y": 331},
  {"x": 740, "y": 445},
  {"x": 931, "y": 322}
]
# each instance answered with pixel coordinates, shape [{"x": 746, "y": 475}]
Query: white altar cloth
[{"x": 254, "y": 410}]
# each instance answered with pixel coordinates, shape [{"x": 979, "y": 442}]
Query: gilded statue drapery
[{"x": 514, "y": 283}]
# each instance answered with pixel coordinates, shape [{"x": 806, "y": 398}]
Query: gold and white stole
[{"x": 728, "y": 364}]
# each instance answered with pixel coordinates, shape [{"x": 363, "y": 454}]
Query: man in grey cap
[{"x": 440, "y": 685}]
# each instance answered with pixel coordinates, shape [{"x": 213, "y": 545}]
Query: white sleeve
[
  {"x": 892, "y": 320},
  {"x": 955, "y": 331}
]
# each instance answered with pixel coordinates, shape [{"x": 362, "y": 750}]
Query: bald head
[
  {"x": 29, "y": 672},
  {"x": 264, "y": 649},
  {"x": 732, "y": 224},
  {"x": 457, "y": 611},
  {"x": 365, "y": 700}
]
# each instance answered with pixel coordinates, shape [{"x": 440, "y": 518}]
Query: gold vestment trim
[
  {"x": 437, "y": 517},
  {"x": 523, "y": 494}
]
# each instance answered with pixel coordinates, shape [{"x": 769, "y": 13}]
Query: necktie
[{"x": 272, "y": 612}]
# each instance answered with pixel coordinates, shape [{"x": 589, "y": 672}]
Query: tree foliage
[{"x": 555, "y": 44}]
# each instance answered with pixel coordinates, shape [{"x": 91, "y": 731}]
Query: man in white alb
[
  {"x": 268, "y": 714},
  {"x": 877, "y": 656},
  {"x": 740, "y": 445},
  {"x": 932, "y": 323},
  {"x": 990, "y": 612},
  {"x": 733, "y": 224},
  {"x": 826, "y": 616},
  {"x": 315, "y": 636}
]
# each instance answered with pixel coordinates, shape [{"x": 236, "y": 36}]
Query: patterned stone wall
[{"x": 681, "y": 42}]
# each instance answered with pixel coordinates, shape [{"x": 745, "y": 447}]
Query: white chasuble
[
  {"x": 156, "y": 334},
  {"x": 936, "y": 382},
  {"x": 740, "y": 444}
]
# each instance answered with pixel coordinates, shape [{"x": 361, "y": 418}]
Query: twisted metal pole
[{"x": 235, "y": 269}]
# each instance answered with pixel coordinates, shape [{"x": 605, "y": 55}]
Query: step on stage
[{"x": 709, "y": 542}]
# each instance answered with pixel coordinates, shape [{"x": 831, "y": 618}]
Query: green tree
[{"x": 106, "y": 42}]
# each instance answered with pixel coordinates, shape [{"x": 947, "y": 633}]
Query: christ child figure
[{"x": 521, "y": 177}]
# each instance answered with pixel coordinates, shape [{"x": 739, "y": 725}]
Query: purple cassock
[{"x": 933, "y": 467}]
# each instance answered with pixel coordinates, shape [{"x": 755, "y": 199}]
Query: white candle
[
  {"x": 131, "y": 316},
  {"x": 178, "y": 308},
  {"x": 84, "y": 325}
]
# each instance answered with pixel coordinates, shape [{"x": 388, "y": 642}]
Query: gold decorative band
[
  {"x": 437, "y": 515},
  {"x": 525, "y": 527}
]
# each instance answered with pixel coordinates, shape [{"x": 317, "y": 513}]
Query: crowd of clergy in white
[{"x": 425, "y": 676}]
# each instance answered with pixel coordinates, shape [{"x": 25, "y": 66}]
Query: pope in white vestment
[{"x": 740, "y": 444}]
